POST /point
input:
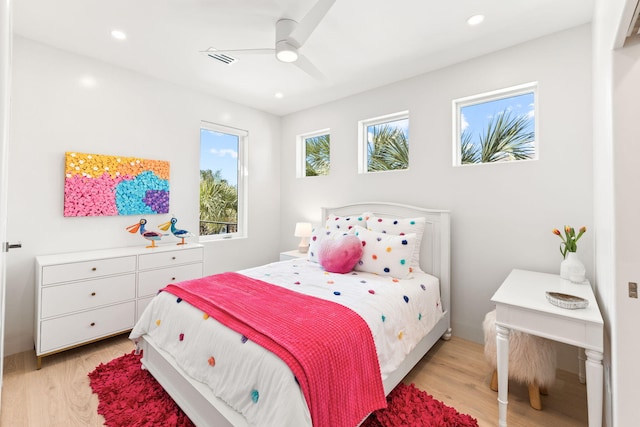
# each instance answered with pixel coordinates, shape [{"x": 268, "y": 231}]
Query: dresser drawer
[
  {"x": 142, "y": 304},
  {"x": 150, "y": 282},
  {"x": 74, "y": 329},
  {"x": 166, "y": 259},
  {"x": 87, "y": 269},
  {"x": 77, "y": 296}
]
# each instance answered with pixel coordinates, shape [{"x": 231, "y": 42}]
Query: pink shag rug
[
  {"x": 409, "y": 406},
  {"x": 129, "y": 396}
]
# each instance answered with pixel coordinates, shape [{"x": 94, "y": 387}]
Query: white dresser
[{"x": 87, "y": 296}]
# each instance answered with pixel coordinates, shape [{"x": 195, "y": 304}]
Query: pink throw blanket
[{"x": 328, "y": 347}]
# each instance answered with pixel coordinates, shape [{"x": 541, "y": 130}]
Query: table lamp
[{"x": 303, "y": 230}]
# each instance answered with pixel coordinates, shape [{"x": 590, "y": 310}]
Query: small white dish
[{"x": 567, "y": 301}]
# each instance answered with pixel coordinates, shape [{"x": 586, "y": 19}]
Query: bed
[{"x": 187, "y": 387}]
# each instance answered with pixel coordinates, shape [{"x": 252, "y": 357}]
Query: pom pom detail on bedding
[{"x": 385, "y": 254}]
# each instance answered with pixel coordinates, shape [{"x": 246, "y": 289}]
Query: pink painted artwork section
[{"x": 105, "y": 185}]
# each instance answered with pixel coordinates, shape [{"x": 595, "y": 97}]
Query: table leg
[
  {"x": 502, "y": 346},
  {"x": 595, "y": 381},
  {"x": 581, "y": 362}
]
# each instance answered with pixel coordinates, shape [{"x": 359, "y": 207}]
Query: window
[
  {"x": 499, "y": 126},
  {"x": 222, "y": 183},
  {"x": 384, "y": 143},
  {"x": 313, "y": 153}
]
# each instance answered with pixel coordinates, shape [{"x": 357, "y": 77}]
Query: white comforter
[{"x": 253, "y": 380}]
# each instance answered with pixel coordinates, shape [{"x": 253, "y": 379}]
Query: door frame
[{"x": 6, "y": 45}]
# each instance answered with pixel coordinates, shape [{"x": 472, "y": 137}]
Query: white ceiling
[{"x": 359, "y": 45}]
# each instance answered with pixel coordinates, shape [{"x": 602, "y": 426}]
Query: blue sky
[
  {"x": 402, "y": 124},
  {"x": 219, "y": 151},
  {"x": 474, "y": 118}
]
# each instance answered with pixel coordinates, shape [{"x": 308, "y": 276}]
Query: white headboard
[{"x": 435, "y": 251}]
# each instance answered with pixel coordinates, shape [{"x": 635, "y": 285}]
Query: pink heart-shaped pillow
[{"x": 340, "y": 255}]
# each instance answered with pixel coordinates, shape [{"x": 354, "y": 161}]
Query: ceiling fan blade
[
  {"x": 305, "y": 65},
  {"x": 251, "y": 51},
  {"x": 311, "y": 20}
]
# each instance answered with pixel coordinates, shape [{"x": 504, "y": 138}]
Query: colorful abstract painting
[{"x": 101, "y": 185}]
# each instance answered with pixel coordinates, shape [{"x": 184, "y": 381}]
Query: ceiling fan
[{"x": 290, "y": 36}]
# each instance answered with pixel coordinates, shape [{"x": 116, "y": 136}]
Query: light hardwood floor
[
  {"x": 453, "y": 371},
  {"x": 456, "y": 373}
]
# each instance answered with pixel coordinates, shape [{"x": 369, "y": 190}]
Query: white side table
[
  {"x": 521, "y": 304},
  {"x": 294, "y": 254}
]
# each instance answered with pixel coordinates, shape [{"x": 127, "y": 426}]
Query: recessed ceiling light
[
  {"x": 117, "y": 34},
  {"x": 87, "y": 81},
  {"x": 279, "y": 95},
  {"x": 475, "y": 20}
]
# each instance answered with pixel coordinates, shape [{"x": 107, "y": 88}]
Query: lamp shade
[{"x": 303, "y": 229}]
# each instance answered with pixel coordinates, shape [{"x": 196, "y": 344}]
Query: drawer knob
[
  {"x": 93, "y": 324},
  {"x": 93, "y": 294},
  {"x": 173, "y": 279},
  {"x": 173, "y": 257},
  {"x": 93, "y": 269}
]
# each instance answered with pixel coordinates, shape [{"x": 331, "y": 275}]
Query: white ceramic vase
[{"x": 572, "y": 268}]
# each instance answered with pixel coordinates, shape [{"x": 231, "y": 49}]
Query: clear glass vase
[{"x": 572, "y": 268}]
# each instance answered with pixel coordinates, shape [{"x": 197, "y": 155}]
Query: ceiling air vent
[{"x": 225, "y": 59}]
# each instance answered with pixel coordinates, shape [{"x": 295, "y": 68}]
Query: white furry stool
[{"x": 532, "y": 359}]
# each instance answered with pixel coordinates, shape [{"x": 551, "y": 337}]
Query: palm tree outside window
[
  {"x": 496, "y": 127},
  {"x": 222, "y": 182},
  {"x": 384, "y": 143},
  {"x": 316, "y": 150}
]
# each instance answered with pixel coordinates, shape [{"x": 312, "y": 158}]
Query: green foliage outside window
[
  {"x": 388, "y": 148},
  {"x": 506, "y": 137},
  {"x": 317, "y": 150},
  {"x": 218, "y": 204}
]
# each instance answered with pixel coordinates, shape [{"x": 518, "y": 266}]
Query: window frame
[
  {"x": 363, "y": 152},
  {"x": 243, "y": 139},
  {"x": 508, "y": 92},
  {"x": 301, "y": 152}
]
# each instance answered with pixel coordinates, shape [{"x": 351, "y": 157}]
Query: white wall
[
  {"x": 502, "y": 214},
  {"x": 124, "y": 114}
]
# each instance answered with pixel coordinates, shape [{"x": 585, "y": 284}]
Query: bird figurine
[
  {"x": 149, "y": 235},
  {"x": 180, "y": 234}
]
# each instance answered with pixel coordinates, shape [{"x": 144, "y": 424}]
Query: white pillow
[
  {"x": 345, "y": 223},
  {"x": 401, "y": 227},
  {"x": 385, "y": 254},
  {"x": 318, "y": 234}
]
